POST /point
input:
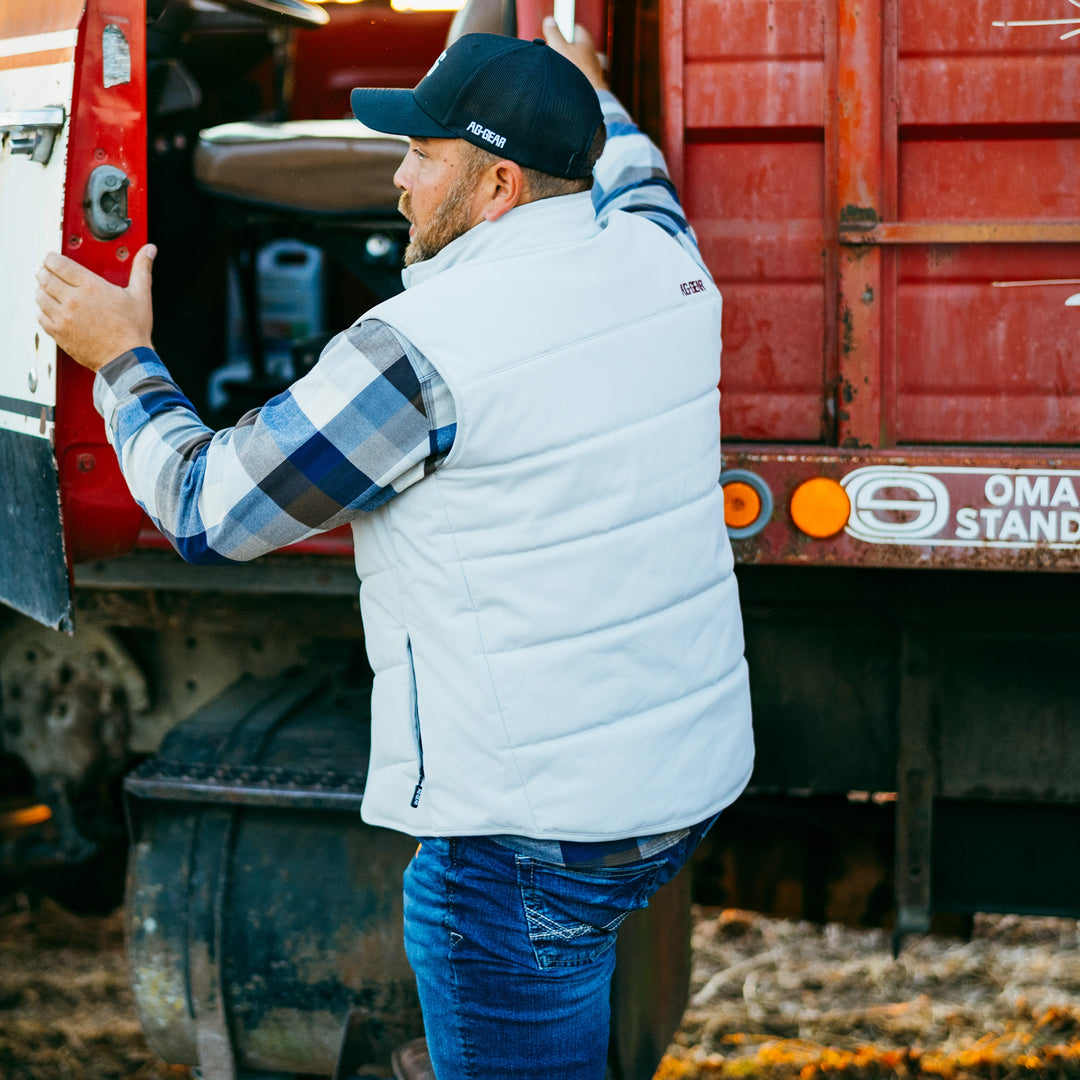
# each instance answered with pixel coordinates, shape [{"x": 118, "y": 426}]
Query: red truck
[{"x": 886, "y": 194}]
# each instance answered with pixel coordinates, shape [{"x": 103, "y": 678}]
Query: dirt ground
[
  {"x": 66, "y": 1011},
  {"x": 783, "y": 999},
  {"x": 770, "y": 999}
]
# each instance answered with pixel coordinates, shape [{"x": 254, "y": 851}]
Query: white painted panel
[
  {"x": 31, "y": 216},
  {"x": 21, "y": 46}
]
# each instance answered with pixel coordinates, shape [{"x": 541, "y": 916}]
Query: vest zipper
[{"x": 415, "y": 801}]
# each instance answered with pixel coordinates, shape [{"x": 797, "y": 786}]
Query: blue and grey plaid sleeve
[
  {"x": 363, "y": 425},
  {"x": 371, "y": 418},
  {"x": 631, "y": 176}
]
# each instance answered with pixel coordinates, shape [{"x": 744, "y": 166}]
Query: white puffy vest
[{"x": 551, "y": 616}]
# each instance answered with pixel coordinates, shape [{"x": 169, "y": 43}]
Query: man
[{"x": 526, "y": 442}]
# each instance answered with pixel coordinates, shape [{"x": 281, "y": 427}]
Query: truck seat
[{"x": 332, "y": 167}]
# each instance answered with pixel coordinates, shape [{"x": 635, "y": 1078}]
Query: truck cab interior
[{"x": 273, "y": 210}]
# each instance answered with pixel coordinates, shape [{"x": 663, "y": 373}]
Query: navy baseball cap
[{"x": 518, "y": 99}]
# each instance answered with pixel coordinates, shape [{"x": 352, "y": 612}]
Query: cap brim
[{"x": 396, "y": 113}]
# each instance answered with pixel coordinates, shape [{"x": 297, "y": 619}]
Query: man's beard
[{"x": 449, "y": 221}]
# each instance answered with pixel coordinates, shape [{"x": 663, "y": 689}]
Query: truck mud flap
[{"x": 33, "y": 568}]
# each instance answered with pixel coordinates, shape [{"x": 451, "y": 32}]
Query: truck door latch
[
  {"x": 106, "y": 202},
  {"x": 32, "y": 131}
]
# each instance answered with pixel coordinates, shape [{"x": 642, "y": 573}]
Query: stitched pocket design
[{"x": 573, "y": 915}]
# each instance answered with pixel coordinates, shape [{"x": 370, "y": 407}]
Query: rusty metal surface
[
  {"x": 256, "y": 930},
  {"x": 672, "y": 78},
  {"x": 247, "y": 785},
  {"x": 1033, "y": 492},
  {"x": 953, "y": 232},
  {"x": 862, "y": 394},
  {"x": 737, "y": 76},
  {"x": 866, "y": 180},
  {"x": 281, "y": 573}
]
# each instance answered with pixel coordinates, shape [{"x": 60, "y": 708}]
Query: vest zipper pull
[{"x": 416, "y": 794}]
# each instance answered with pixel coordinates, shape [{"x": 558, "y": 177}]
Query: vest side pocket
[{"x": 415, "y": 710}]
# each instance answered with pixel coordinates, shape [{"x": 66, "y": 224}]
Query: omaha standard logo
[{"x": 961, "y": 506}]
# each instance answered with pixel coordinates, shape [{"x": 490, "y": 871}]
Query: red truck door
[{"x": 72, "y": 179}]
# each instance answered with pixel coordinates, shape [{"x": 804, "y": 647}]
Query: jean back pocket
[{"x": 573, "y": 915}]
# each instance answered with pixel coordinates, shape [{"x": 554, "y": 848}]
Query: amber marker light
[
  {"x": 748, "y": 503},
  {"x": 25, "y": 817},
  {"x": 742, "y": 505},
  {"x": 820, "y": 507}
]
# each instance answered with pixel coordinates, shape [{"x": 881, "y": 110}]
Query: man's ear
[{"x": 504, "y": 188}]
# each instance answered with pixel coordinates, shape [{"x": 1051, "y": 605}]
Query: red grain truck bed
[{"x": 886, "y": 194}]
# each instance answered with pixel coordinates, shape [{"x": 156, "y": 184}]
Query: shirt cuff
[{"x": 118, "y": 377}]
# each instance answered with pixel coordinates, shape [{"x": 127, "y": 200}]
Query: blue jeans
[{"x": 513, "y": 956}]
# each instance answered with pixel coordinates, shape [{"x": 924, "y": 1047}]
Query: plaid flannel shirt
[{"x": 369, "y": 420}]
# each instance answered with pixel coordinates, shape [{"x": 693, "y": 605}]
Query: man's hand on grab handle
[
  {"x": 581, "y": 51},
  {"x": 92, "y": 321}
]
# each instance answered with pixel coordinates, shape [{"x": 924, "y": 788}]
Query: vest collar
[{"x": 564, "y": 219}]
